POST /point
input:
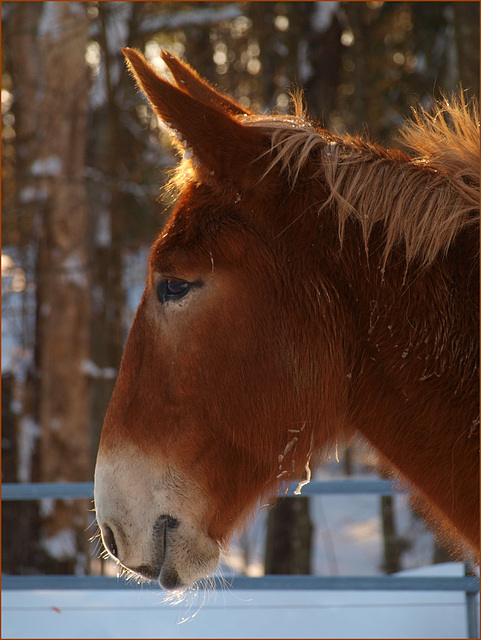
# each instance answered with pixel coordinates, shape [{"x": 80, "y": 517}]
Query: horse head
[{"x": 183, "y": 459}]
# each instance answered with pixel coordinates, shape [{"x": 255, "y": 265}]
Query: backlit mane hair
[
  {"x": 445, "y": 143},
  {"x": 372, "y": 184}
]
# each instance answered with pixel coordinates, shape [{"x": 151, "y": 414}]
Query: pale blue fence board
[{"x": 65, "y": 490}]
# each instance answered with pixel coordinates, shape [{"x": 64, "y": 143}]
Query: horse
[{"x": 306, "y": 288}]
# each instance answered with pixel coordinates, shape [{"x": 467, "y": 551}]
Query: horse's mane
[{"x": 424, "y": 195}]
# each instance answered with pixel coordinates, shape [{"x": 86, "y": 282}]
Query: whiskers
[
  {"x": 188, "y": 601},
  {"x": 102, "y": 554},
  {"x": 99, "y": 550},
  {"x": 191, "y": 600},
  {"x": 130, "y": 576}
]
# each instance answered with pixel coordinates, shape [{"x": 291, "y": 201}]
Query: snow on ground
[{"x": 141, "y": 613}]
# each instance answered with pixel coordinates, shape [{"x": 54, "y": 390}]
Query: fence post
[{"x": 472, "y": 611}]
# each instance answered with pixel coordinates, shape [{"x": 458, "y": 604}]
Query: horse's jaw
[{"x": 148, "y": 518}]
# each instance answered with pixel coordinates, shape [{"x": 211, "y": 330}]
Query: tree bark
[
  {"x": 50, "y": 77},
  {"x": 106, "y": 326},
  {"x": 289, "y": 538},
  {"x": 63, "y": 278},
  {"x": 394, "y": 544},
  {"x": 466, "y": 23},
  {"x": 20, "y": 520},
  {"x": 323, "y": 55}
]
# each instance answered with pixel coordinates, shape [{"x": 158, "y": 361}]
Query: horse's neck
[
  {"x": 433, "y": 445},
  {"x": 414, "y": 398}
]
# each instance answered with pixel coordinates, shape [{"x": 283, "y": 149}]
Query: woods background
[{"x": 82, "y": 171}]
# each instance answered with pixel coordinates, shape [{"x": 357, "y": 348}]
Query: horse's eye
[
  {"x": 172, "y": 289},
  {"x": 176, "y": 287}
]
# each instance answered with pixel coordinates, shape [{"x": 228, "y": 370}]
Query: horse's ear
[
  {"x": 209, "y": 133},
  {"x": 189, "y": 80}
]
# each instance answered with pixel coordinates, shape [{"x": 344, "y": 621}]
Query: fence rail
[
  {"x": 64, "y": 490},
  {"x": 374, "y": 486},
  {"x": 469, "y": 584}
]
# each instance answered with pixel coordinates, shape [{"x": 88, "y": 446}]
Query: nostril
[
  {"x": 164, "y": 524},
  {"x": 172, "y": 523},
  {"x": 109, "y": 540},
  {"x": 169, "y": 521}
]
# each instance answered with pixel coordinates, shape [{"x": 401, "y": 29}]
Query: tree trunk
[
  {"x": 322, "y": 30},
  {"x": 289, "y": 537},
  {"x": 108, "y": 238},
  {"x": 394, "y": 545},
  {"x": 466, "y": 23},
  {"x": 63, "y": 278},
  {"x": 51, "y": 81},
  {"x": 20, "y": 527}
]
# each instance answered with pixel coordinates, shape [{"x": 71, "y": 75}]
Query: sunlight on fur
[{"x": 365, "y": 181}]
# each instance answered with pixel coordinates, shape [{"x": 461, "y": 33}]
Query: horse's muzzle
[{"x": 171, "y": 548}]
